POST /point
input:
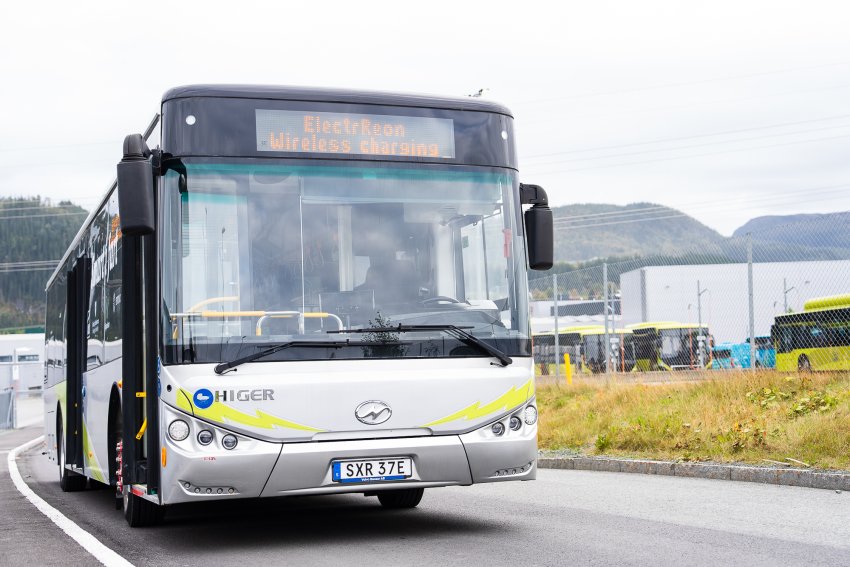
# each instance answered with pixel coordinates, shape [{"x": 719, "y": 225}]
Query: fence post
[
  {"x": 750, "y": 292},
  {"x": 605, "y": 317},
  {"x": 555, "y": 310}
]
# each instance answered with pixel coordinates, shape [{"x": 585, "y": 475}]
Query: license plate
[{"x": 372, "y": 470}]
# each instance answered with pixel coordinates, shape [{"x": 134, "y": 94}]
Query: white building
[
  {"x": 572, "y": 312},
  {"x": 669, "y": 293},
  {"x": 21, "y": 362}
]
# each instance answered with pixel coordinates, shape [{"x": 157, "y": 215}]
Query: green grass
[{"x": 736, "y": 417}]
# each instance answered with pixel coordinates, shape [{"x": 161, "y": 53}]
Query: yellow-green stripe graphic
[
  {"x": 510, "y": 399},
  {"x": 223, "y": 413}
]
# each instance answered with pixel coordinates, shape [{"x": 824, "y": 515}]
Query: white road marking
[{"x": 88, "y": 542}]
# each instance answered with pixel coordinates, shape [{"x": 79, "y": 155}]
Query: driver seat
[{"x": 394, "y": 282}]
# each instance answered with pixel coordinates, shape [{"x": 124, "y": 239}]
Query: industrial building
[{"x": 718, "y": 294}]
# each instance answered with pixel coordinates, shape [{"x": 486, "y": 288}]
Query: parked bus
[
  {"x": 299, "y": 292},
  {"x": 569, "y": 342},
  {"x": 669, "y": 345},
  {"x": 818, "y": 338},
  {"x": 622, "y": 350},
  {"x": 737, "y": 355},
  {"x": 730, "y": 356}
]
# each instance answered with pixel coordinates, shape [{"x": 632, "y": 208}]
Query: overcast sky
[{"x": 725, "y": 110}]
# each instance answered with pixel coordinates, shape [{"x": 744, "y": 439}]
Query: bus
[
  {"x": 817, "y": 338},
  {"x": 622, "y": 350},
  {"x": 765, "y": 352},
  {"x": 728, "y": 355},
  {"x": 569, "y": 342},
  {"x": 299, "y": 291},
  {"x": 669, "y": 345}
]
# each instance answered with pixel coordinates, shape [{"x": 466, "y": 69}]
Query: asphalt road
[{"x": 563, "y": 518}]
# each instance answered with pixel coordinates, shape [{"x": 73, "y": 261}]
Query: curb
[{"x": 742, "y": 473}]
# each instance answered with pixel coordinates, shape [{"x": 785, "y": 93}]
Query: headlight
[
  {"x": 229, "y": 441},
  {"x": 178, "y": 430},
  {"x": 531, "y": 415},
  {"x": 497, "y": 428},
  {"x": 515, "y": 423},
  {"x": 205, "y": 437}
]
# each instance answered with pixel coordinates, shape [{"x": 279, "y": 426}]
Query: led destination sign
[{"x": 354, "y": 134}]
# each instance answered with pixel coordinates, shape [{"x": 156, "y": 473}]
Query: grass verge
[{"x": 734, "y": 417}]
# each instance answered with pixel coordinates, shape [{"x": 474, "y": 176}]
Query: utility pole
[
  {"x": 700, "y": 337},
  {"x": 750, "y": 292},
  {"x": 605, "y": 315},
  {"x": 785, "y": 290}
]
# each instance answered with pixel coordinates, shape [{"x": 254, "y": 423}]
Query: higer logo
[{"x": 257, "y": 395}]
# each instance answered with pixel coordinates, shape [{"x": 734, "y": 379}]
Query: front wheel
[
  {"x": 139, "y": 512},
  {"x": 397, "y": 499}
]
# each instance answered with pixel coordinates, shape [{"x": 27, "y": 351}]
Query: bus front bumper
[{"x": 264, "y": 469}]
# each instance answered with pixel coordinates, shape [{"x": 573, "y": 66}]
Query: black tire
[
  {"x": 139, "y": 512},
  {"x": 398, "y": 499},
  {"x": 803, "y": 364},
  {"x": 69, "y": 481}
]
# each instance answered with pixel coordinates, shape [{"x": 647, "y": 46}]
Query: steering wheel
[{"x": 438, "y": 299}]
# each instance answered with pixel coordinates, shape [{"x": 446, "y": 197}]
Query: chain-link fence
[
  {"x": 7, "y": 409},
  {"x": 777, "y": 296}
]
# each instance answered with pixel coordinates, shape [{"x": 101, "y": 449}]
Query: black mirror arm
[{"x": 532, "y": 195}]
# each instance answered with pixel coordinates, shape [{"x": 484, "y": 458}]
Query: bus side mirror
[
  {"x": 135, "y": 187},
  {"x": 539, "y": 229}
]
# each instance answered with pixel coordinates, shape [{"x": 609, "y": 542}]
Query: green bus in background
[
  {"x": 669, "y": 345},
  {"x": 818, "y": 338}
]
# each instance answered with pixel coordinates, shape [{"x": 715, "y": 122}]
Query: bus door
[{"x": 79, "y": 279}]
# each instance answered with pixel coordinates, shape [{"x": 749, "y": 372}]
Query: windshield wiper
[
  {"x": 225, "y": 366},
  {"x": 458, "y": 332}
]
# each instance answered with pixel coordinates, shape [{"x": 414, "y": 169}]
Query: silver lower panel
[
  {"x": 263, "y": 469},
  {"x": 305, "y": 468}
]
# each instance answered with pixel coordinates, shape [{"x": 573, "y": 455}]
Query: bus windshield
[{"x": 264, "y": 251}]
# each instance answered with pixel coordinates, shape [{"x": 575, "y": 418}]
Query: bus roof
[
  {"x": 271, "y": 92},
  {"x": 663, "y": 325},
  {"x": 601, "y": 331},
  {"x": 830, "y": 302},
  {"x": 571, "y": 329}
]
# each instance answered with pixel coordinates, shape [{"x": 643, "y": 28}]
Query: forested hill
[
  {"x": 812, "y": 230},
  {"x": 587, "y": 231},
  {"x": 31, "y": 229}
]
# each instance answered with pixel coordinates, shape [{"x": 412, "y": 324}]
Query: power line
[
  {"x": 2, "y": 218},
  {"x": 688, "y": 83},
  {"x": 654, "y": 109},
  {"x": 661, "y": 140},
  {"x": 4, "y": 209},
  {"x": 28, "y": 266},
  {"x": 705, "y": 205},
  {"x": 56, "y": 147},
  {"x": 693, "y": 155},
  {"x": 646, "y": 219},
  {"x": 702, "y": 144}
]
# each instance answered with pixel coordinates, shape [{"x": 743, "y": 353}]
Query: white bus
[{"x": 299, "y": 291}]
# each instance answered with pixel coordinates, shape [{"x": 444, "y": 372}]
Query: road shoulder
[
  {"x": 28, "y": 537},
  {"x": 829, "y": 480}
]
